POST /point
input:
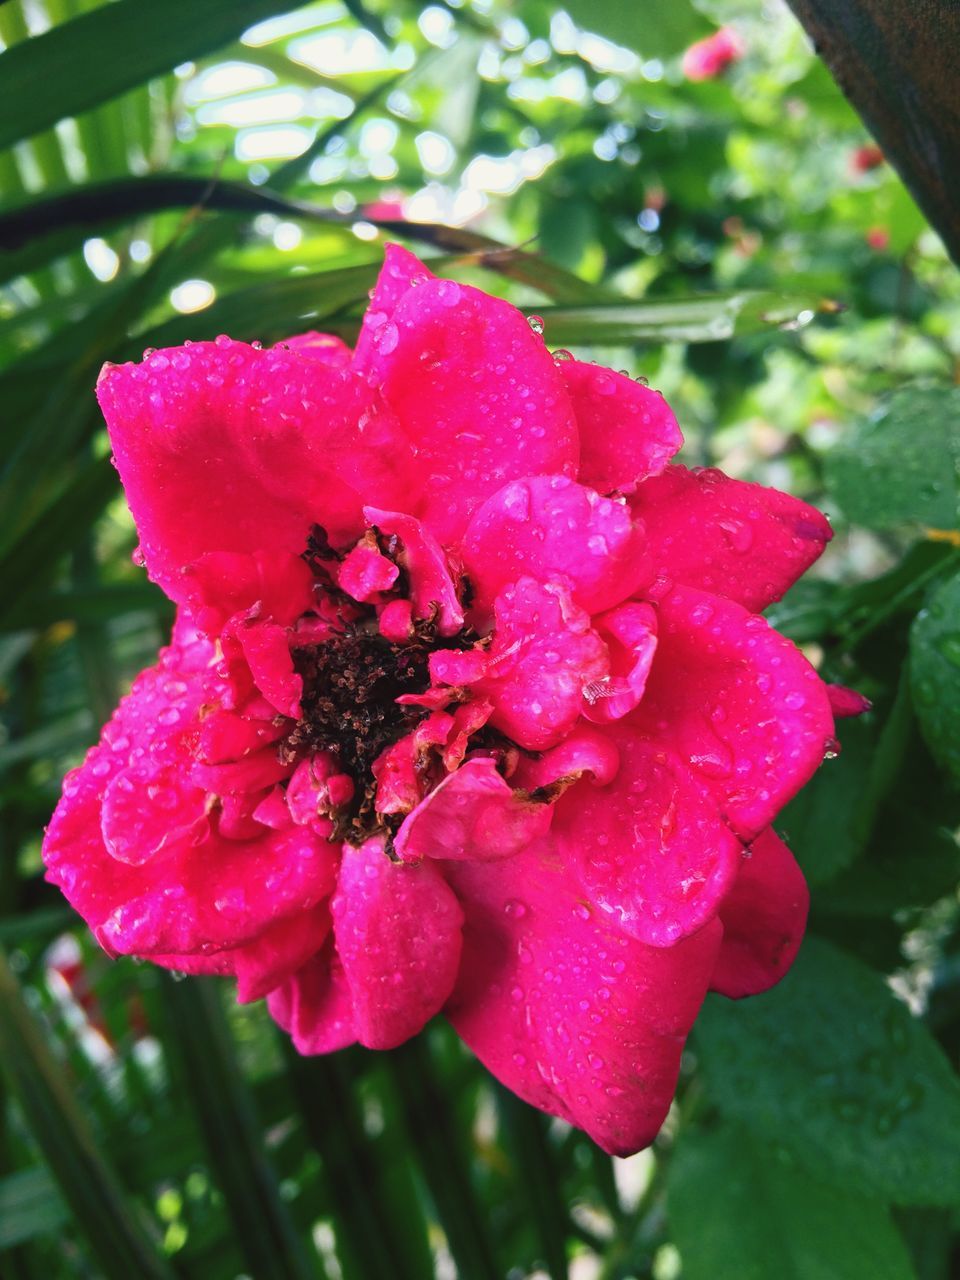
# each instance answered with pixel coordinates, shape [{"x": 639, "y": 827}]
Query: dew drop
[{"x": 536, "y": 323}]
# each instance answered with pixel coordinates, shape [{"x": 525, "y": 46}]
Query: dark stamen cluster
[
  {"x": 350, "y": 687},
  {"x": 351, "y": 683}
]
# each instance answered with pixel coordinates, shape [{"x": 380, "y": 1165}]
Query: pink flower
[
  {"x": 468, "y": 707},
  {"x": 863, "y": 159},
  {"x": 710, "y": 57}
]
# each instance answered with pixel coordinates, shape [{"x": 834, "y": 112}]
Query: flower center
[{"x": 350, "y": 686}]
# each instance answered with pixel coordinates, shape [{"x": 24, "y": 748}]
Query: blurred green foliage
[{"x": 737, "y": 241}]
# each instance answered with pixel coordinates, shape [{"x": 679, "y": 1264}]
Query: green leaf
[
  {"x": 537, "y": 1179},
  {"x": 739, "y": 1208},
  {"x": 935, "y": 674},
  {"x": 712, "y": 317},
  {"x": 437, "y": 1141},
  {"x": 824, "y": 823},
  {"x": 829, "y": 823},
  {"x": 108, "y": 1220},
  {"x": 208, "y": 1074},
  {"x": 34, "y": 556},
  {"x": 30, "y": 1205},
  {"x": 901, "y": 466},
  {"x": 370, "y": 1242},
  {"x": 655, "y": 28},
  {"x": 102, "y": 53},
  {"x": 832, "y": 1065}
]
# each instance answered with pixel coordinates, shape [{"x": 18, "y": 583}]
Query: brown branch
[{"x": 897, "y": 61}]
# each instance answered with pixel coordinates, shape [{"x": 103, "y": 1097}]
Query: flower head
[
  {"x": 468, "y": 706},
  {"x": 710, "y": 57}
]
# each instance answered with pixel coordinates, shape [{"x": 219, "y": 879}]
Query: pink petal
[
  {"x": 255, "y": 772},
  {"x": 317, "y": 789},
  {"x": 763, "y": 918},
  {"x": 847, "y": 702},
  {"x": 402, "y": 770},
  {"x": 269, "y": 586},
  {"x": 224, "y": 736},
  {"x": 457, "y": 666},
  {"x": 468, "y": 718},
  {"x": 543, "y": 653},
  {"x": 262, "y": 965},
  {"x": 315, "y": 1006},
  {"x": 147, "y": 808},
  {"x": 431, "y": 587},
  {"x": 734, "y": 539},
  {"x": 255, "y": 445},
  {"x": 739, "y": 703},
  {"x": 473, "y": 813},
  {"x": 400, "y": 272},
  {"x": 650, "y": 849},
  {"x": 196, "y": 894},
  {"x": 473, "y": 387},
  {"x": 266, "y": 648},
  {"x": 627, "y": 431},
  {"x": 586, "y": 750},
  {"x": 216, "y": 896},
  {"x": 325, "y": 347},
  {"x": 552, "y": 527},
  {"x": 396, "y": 621},
  {"x": 397, "y": 931},
  {"x": 567, "y": 1011},
  {"x": 630, "y": 634},
  {"x": 365, "y": 573}
]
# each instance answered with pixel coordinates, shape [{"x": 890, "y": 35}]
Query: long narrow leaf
[
  {"x": 207, "y": 1072},
  {"x": 434, "y": 1135},
  {"x": 119, "y": 45},
  {"x": 363, "y": 1216},
  {"x": 537, "y": 1179},
  {"x": 109, "y": 1222}
]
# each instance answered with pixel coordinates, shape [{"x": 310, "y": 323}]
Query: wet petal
[
  {"x": 397, "y": 931},
  {"x": 261, "y": 965},
  {"x": 627, "y": 431},
  {"x": 199, "y": 892},
  {"x": 270, "y": 586},
  {"x": 315, "y": 1006},
  {"x": 432, "y": 590},
  {"x": 256, "y": 445},
  {"x": 585, "y": 750},
  {"x": 473, "y": 387},
  {"x": 473, "y": 813},
  {"x": 543, "y": 653},
  {"x": 365, "y": 573},
  {"x": 847, "y": 702},
  {"x": 552, "y": 527},
  {"x": 738, "y": 702},
  {"x": 630, "y": 634},
  {"x": 650, "y": 848},
  {"x": 566, "y": 1010},
  {"x": 763, "y": 918},
  {"x": 214, "y": 896},
  {"x": 266, "y": 648},
  {"x": 742, "y": 541},
  {"x": 325, "y": 347}
]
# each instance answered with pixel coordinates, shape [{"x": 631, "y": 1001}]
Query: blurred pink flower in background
[
  {"x": 864, "y": 159},
  {"x": 710, "y": 57},
  {"x": 469, "y": 705}
]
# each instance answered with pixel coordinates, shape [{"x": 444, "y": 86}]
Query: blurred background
[{"x": 683, "y": 194}]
